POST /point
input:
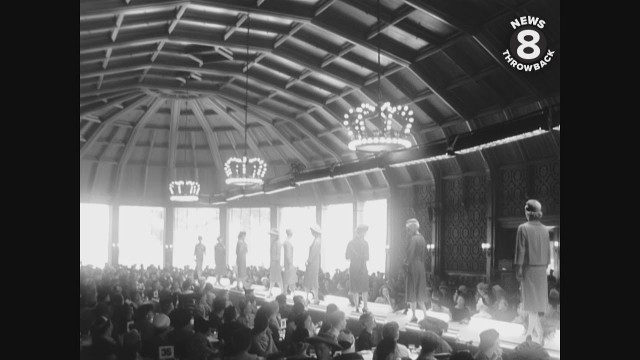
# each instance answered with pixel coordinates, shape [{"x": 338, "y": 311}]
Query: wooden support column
[
  {"x": 491, "y": 205},
  {"x": 169, "y": 221},
  {"x": 114, "y": 249},
  {"x": 275, "y": 216},
  {"x": 224, "y": 231}
]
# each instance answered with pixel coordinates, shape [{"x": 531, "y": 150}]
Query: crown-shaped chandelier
[
  {"x": 245, "y": 171},
  {"x": 371, "y": 128},
  {"x": 184, "y": 190}
]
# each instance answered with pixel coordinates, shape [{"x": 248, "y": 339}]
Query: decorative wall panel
[{"x": 464, "y": 224}]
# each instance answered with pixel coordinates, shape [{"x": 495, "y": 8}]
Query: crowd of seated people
[{"x": 131, "y": 312}]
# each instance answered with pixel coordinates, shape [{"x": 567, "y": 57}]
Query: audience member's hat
[
  {"x": 161, "y": 321},
  {"x": 483, "y": 287},
  {"x": 413, "y": 221},
  {"x": 462, "y": 288},
  {"x": 299, "y": 335},
  {"x": 325, "y": 339},
  {"x": 533, "y": 206},
  {"x": 345, "y": 339},
  {"x": 275, "y": 232},
  {"x": 316, "y": 228}
]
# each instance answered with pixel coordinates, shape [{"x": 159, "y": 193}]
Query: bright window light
[
  {"x": 141, "y": 235},
  {"x": 257, "y": 223},
  {"x": 337, "y": 231},
  {"x": 299, "y": 220},
  {"x": 94, "y": 234},
  {"x": 189, "y": 224},
  {"x": 374, "y": 214}
]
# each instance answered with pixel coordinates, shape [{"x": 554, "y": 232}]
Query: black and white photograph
[{"x": 293, "y": 179}]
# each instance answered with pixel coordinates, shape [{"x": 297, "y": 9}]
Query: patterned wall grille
[
  {"x": 464, "y": 223},
  {"x": 546, "y": 186},
  {"x": 514, "y": 192}
]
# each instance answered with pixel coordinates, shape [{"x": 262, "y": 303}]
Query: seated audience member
[
  {"x": 304, "y": 321},
  {"x": 461, "y": 355},
  {"x": 529, "y": 350},
  {"x": 338, "y": 322},
  {"x": 386, "y": 350},
  {"x": 483, "y": 302},
  {"x": 251, "y": 300},
  {"x": 245, "y": 317},
  {"x": 202, "y": 309},
  {"x": 131, "y": 346},
  {"x": 228, "y": 318},
  {"x": 446, "y": 298},
  {"x": 262, "y": 343},
  {"x": 366, "y": 340},
  {"x": 180, "y": 337},
  {"x": 199, "y": 347},
  {"x": 241, "y": 341},
  {"x": 347, "y": 342},
  {"x": 500, "y": 309},
  {"x": 298, "y": 345},
  {"x": 385, "y": 296},
  {"x": 460, "y": 312},
  {"x": 298, "y": 299},
  {"x": 166, "y": 303},
  {"x": 324, "y": 345},
  {"x": 489, "y": 348},
  {"x": 429, "y": 344},
  {"x": 274, "y": 321},
  {"x": 162, "y": 327},
  {"x": 326, "y": 324},
  {"x": 103, "y": 347},
  {"x": 391, "y": 330},
  {"x": 143, "y": 322},
  {"x": 122, "y": 315},
  {"x": 436, "y": 305},
  {"x": 443, "y": 345},
  {"x": 215, "y": 318},
  {"x": 284, "y": 309}
]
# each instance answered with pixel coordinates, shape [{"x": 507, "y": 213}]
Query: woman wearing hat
[
  {"x": 275, "y": 270},
  {"x": 358, "y": 253},
  {"x": 325, "y": 345},
  {"x": 241, "y": 258},
  {"x": 532, "y": 257},
  {"x": 313, "y": 264},
  {"x": 221, "y": 259},
  {"x": 414, "y": 266}
]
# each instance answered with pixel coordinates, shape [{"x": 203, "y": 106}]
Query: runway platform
[{"x": 458, "y": 335}]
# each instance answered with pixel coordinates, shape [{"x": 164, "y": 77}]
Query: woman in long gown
[
  {"x": 221, "y": 260},
  {"x": 313, "y": 264},
  {"x": 416, "y": 273},
  {"x": 358, "y": 253},
  {"x": 241, "y": 259}
]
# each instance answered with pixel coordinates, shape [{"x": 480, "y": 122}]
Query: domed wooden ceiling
[{"x": 162, "y": 86}]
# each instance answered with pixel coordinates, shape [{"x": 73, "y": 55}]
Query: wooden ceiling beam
[
  {"x": 308, "y": 133},
  {"x": 173, "y": 139},
  {"x": 219, "y": 107},
  {"x": 109, "y": 103},
  {"x": 208, "y": 131},
  {"x": 108, "y": 122},
  {"x": 133, "y": 138},
  {"x": 146, "y": 167}
]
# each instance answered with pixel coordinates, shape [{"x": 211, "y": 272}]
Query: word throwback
[{"x": 528, "y": 46}]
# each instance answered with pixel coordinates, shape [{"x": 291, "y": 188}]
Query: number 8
[{"x": 528, "y": 44}]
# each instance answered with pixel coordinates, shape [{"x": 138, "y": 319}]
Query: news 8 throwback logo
[{"x": 528, "y": 46}]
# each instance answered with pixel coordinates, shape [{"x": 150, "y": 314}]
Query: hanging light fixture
[
  {"x": 245, "y": 171},
  {"x": 184, "y": 190},
  {"x": 371, "y": 127}
]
